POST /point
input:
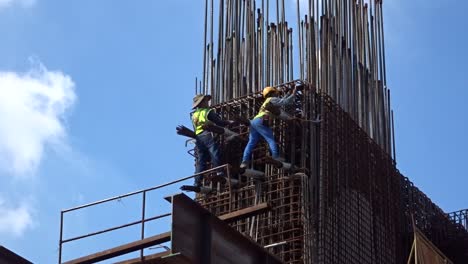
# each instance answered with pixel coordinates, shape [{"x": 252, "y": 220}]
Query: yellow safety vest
[
  {"x": 199, "y": 118},
  {"x": 263, "y": 110}
]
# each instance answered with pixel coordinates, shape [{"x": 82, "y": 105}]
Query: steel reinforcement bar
[
  {"x": 345, "y": 203},
  {"x": 336, "y": 45}
]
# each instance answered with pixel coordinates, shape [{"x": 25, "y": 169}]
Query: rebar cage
[{"x": 345, "y": 203}]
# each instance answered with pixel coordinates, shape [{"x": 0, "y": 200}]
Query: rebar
[
  {"x": 345, "y": 203},
  {"x": 340, "y": 51}
]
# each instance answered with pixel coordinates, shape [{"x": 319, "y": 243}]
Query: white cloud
[
  {"x": 32, "y": 115},
  {"x": 22, "y": 3},
  {"x": 15, "y": 220}
]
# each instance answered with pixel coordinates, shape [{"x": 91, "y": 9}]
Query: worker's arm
[
  {"x": 285, "y": 116},
  {"x": 287, "y": 100},
  {"x": 213, "y": 117},
  {"x": 228, "y": 134}
]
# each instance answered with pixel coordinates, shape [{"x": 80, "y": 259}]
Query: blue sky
[{"x": 91, "y": 91}]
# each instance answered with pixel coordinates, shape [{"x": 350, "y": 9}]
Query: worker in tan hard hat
[
  {"x": 206, "y": 146},
  {"x": 259, "y": 126}
]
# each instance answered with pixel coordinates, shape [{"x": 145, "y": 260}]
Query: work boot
[
  {"x": 234, "y": 182},
  {"x": 197, "y": 189},
  {"x": 244, "y": 165},
  {"x": 282, "y": 160}
]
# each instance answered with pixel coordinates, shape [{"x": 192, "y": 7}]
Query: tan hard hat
[
  {"x": 268, "y": 90},
  {"x": 199, "y": 98}
]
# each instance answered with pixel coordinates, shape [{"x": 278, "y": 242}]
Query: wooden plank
[
  {"x": 123, "y": 249},
  {"x": 246, "y": 212}
]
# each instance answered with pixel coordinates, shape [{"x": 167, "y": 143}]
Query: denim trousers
[
  {"x": 207, "y": 149},
  {"x": 258, "y": 130}
]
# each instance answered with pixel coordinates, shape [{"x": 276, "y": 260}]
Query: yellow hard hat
[{"x": 268, "y": 90}]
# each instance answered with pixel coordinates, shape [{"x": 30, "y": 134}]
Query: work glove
[
  {"x": 184, "y": 131},
  {"x": 242, "y": 120},
  {"x": 229, "y": 135},
  {"x": 232, "y": 123}
]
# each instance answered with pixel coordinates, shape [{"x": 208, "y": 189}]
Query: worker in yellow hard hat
[
  {"x": 206, "y": 146},
  {"x": 259, "y": 126}
]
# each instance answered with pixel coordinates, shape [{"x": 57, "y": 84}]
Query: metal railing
[{"x": 143, "y": 220}]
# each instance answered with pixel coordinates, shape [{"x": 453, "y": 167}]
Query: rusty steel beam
[
  {"x": 9, "y": 257},
  {"x": 239, "y": 214},
  {"x": 123, "y": 249},
  {"x": 205, "y": 239}
]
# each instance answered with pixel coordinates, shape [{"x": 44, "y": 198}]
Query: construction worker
[
  {"x": 206, "y": 145},
  {"x": 259, "y": 126}
]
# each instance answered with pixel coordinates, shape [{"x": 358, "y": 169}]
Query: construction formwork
[{"x": 344, "y": 203}]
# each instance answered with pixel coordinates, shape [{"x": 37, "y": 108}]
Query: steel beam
[
  {"x": 205, "y": 239},
  {"x": 9, "y": 257},
  {"x": 123, "y": 249}
]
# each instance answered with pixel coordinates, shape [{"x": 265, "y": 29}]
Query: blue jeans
[
  {"x": 206, "y": 148},
  {"x": 257, "y": 130}
]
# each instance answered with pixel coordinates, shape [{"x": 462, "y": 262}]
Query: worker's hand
[
  {"x": 294, "y": 90},
  {"x": 242, "y": 121},
  {"x": 232, "y": 123}
]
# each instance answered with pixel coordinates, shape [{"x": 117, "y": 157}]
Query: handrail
[
  {"x": 142, "y": 221},
  {"x": 144, "y": 190},
  {"x": 115, "y": 228}
]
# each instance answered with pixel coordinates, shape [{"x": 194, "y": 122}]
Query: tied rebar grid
[
  {"x": 460, "y": 217},
  {"x": 458, "y": 234},
  {"x": 288, "y": 223},
  {"x": 358, "y": 206},
  {"x": 367, "y": 204},
  {"x": 349, "y": 205},
  {"x": 335, "y": 45},
  {"x": 358, "y": 196},
  {"x": 446, "y": 231},
  {"x": 285, "y": 223}
]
